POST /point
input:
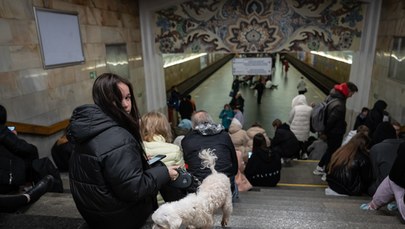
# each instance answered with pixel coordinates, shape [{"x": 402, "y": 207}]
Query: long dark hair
[
  {"x": 107, "y": 95},
  {"x": 259, "y": 141},
  {"x": 345, "y": 154}
]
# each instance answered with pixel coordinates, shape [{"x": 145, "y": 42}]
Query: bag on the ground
[{"x": 318, "y": 116}]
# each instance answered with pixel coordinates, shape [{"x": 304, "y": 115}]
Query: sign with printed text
[{"x": 251, "y": 66}]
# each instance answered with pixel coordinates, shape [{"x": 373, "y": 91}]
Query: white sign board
[
  {"x": 59, "y": 37},
  {"x": 251, "y": 66}
]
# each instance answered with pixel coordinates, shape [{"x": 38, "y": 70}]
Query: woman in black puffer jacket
[
  {"x": 111, "y": 182},
  {"x": 350, "y": 171}
]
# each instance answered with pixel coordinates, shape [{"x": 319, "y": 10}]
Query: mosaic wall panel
[{"x": 250, "y": 26}]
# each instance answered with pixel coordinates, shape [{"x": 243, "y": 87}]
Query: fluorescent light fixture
[
  {"x": 345, "y": 57},
  {"x": 184, "y": 58}
]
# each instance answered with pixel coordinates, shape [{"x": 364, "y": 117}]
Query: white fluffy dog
[{"x": 196, "y": 210}]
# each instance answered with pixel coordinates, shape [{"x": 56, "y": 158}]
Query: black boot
[{"x": 40, "y": 188}]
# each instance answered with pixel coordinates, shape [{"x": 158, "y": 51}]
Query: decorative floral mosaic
[{"x": 252, "y": 26}]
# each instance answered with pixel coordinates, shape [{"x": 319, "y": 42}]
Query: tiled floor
[{"x": 213, "y": 93}]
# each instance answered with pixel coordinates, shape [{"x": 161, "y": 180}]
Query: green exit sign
[{"x": 92, "y": 75}]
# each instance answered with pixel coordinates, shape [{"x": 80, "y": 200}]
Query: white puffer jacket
[{"x": 300, "y": 116}]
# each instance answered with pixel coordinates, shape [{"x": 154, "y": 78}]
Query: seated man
[
  {"x": 16, "y": 156},
  {"x": 208, "y": 135}
]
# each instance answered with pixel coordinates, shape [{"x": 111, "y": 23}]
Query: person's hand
[{"x": 173, "y": 172}]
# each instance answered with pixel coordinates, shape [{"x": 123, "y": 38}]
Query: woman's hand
[{"x": 173, "y": 172}]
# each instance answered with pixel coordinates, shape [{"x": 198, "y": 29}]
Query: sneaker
[
  {"x": 304, "y": 156},
  {"x": 318, "y": 171},
  {"x": 392, "y": 206},
  {"x": 365, "y": 207},
  {"x": 323, "y": 178},
  {"x": 287, "y": 162}
]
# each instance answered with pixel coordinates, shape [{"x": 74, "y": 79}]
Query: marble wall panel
[
  {"x": 24, "y": 32},
  {"x": 26, "y": 107},
  {"x": 111, "y": 35},
  {"x": 400, "y": 27},
  {"x": 65, "y": 6},
  {"x": 110, "y": 18},
  {"x": 18, "y": 9},
  {"x": 61, "y": 76},
  {"x": 8, "y": 85},
  {"x": 135, "y": 35},
  {"x": 91, "y": 33},
  {"x": 6, "y": 34},
  {"x": 32, "y": 80},
  {"x": 24, "y": 57},
  {"x": 94, "y": 51},
  {"x": 5, "y": 57},
  {"x": 129, "y": 21},
  {"x": 92, "y": 16}
]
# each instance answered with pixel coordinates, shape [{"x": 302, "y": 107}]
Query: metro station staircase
[{"x": 289, "y": 205}]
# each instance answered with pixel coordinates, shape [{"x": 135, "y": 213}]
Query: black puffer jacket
[
  {"x": 213, "y": 137},
  {"x": 351, "y": 180},
  {"x": 111, "y": 183},
  {"x": 375, "y": 116},
  {"x": 397, "y": 173},
  {"x": 284, "y": 143},
  {"x": 335, "y": 113},
  {"x": 15, "y": 151},
  {"x": 263, "y": 168}
]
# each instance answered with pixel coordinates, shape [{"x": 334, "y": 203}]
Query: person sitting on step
[
  {"x": 264, "y": 166},
  {"x": 392, "y": 187},
  {"x": 284, "y": 142},
  {"x": 349, "y": 171}
]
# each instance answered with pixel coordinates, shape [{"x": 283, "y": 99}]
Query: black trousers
[{"x": 334, "y": 141}]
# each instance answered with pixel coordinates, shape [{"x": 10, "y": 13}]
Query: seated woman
[
  {"x": 392, "y": 187},
  {"x": 263, "y": 167},
  {"x": 349, "y": 171}
]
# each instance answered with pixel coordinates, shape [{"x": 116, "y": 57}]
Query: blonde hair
[{"x": 155, "y": 123}]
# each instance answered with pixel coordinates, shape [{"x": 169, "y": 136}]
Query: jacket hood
[
  {"x": 235, "y": 126},
  {"x": 88, "y": 121},
  {"x": 380, "y": 105},
  {"x": 342, "y": 88},
  {"x": 336, "y": 93},
  {"x": 209, "y": 129},
  {"x": 299, "y": 100}
]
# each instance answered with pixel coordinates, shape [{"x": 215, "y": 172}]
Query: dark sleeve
[
  {"x": 335, "y": 115},
  {"x": 397, "y": 173},
  {"x": 17, "y": 146},
  {"x": 125, "y": 172},
  {"x": 278, "y": 138},
  {"x": 234, "y": 158},
  {"x": 366, "y": 172}
]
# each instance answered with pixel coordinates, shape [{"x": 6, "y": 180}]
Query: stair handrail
[{"x": 26, "y": 128}]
